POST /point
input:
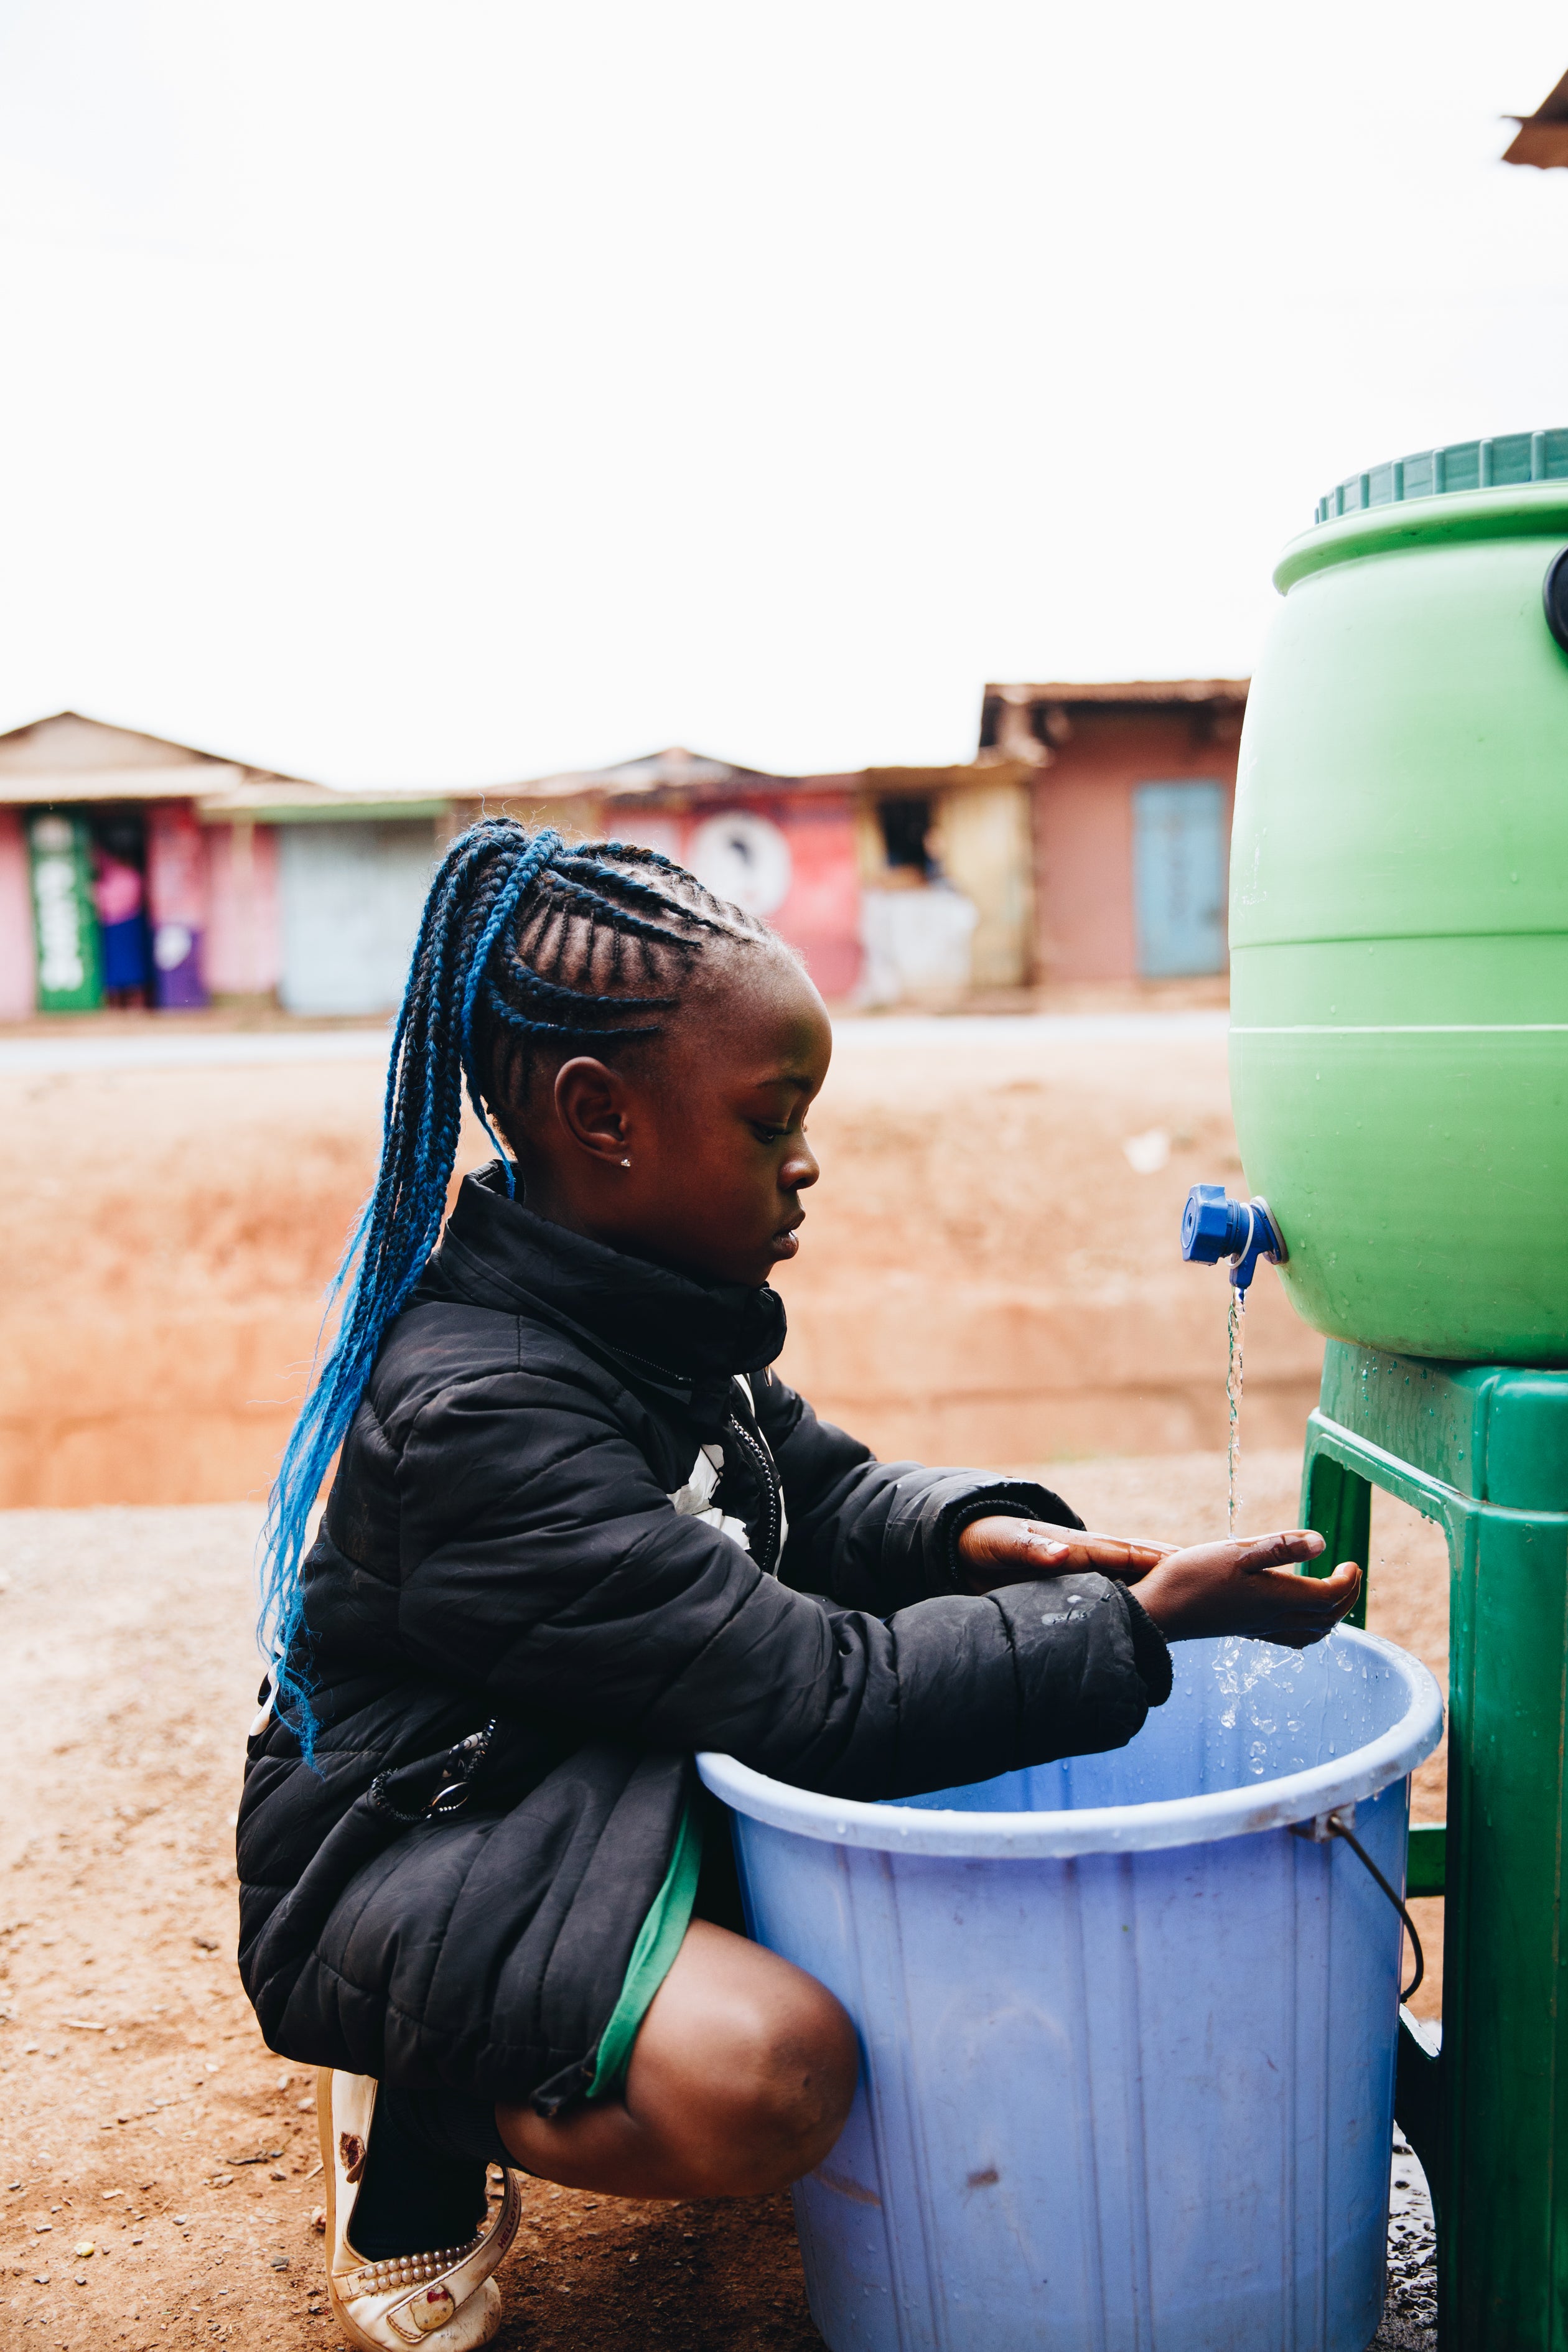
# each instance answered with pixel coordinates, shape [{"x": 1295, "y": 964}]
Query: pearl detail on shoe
[{"x": 404, "y": 2270}]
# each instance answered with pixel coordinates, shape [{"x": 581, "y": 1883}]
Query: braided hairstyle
[{"x": 524, "y": 945}]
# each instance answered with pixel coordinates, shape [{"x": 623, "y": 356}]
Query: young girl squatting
[{"x": 579, "y": 1531}]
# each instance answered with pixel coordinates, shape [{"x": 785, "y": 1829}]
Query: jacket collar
[{"x": 672, "y": 1330}]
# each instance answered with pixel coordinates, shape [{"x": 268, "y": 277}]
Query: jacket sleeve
[
  {"x": 877, "y": 1535},
  {"x": 543, "y": 1567}
]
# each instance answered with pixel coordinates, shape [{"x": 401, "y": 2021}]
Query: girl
[{"x": 578, "y": 1531}]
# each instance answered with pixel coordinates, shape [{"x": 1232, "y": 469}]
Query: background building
[
  {"x": 896, "y": 884},
  {"x": 1133, "y": 787},
  {"x": 1088, "y": 840},
  {"x": 137, "y": 871},
  {"x": 1541, "y": 138}
]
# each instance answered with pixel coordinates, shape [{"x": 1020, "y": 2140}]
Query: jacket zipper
[{"x": 770, "y": 1561}]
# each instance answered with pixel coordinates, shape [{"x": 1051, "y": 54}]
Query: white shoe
[{"x": 443, "y": 2301}]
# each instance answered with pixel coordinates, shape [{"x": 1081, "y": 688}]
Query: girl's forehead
[{"x": 769, "y": 1028}]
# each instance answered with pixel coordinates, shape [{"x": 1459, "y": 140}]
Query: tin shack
[
  {"x": 1133, "y": 785},
  {"x": 1086, "y": 842}
]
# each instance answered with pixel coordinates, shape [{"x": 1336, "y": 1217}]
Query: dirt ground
[
  {"x": 985, "y": 1277},
  {"x": 158, "y": 2166}
]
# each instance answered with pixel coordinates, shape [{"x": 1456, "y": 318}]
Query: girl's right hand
[{"x": 1239, "y": 1587}]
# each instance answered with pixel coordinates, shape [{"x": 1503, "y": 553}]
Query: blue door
[{"x": 1178, "y": 879}]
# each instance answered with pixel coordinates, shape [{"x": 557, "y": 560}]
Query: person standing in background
[{"x": 119, "y": 894}]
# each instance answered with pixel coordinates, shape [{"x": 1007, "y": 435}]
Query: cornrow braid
[{"x": 524, "y": 943}]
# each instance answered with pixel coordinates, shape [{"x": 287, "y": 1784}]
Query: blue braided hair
[{"x": 524, "y": 944}]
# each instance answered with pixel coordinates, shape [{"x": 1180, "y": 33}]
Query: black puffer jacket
[{"x": 577, "y": 1517}]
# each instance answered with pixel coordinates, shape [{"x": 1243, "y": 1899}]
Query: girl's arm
[
  {"x": 541, "y": 1567},
  {"x": 878, "y": 1535}
]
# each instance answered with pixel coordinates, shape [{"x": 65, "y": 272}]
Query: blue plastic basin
[{"x": 1128, "y": 2045}]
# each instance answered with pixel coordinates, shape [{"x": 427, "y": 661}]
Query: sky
[{"x": 431, "y": 395}]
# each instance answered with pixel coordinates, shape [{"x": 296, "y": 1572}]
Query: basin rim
[{"x": 1274, "y": 1805}]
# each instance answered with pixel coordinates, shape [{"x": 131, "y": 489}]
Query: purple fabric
[{"x": 177, "y": 961}]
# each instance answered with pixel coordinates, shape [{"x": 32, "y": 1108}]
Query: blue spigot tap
[{"x": 1213, "y": 1226}]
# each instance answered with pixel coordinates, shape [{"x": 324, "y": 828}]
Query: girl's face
[{"x": 712, "y": 1122}]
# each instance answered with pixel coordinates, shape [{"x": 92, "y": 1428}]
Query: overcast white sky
[{"x": 462, "y": 391}]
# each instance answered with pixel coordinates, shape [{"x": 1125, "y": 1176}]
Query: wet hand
[
  {"x": 996, "y": 1552},
  {"x": 1246, "y": 1587}
]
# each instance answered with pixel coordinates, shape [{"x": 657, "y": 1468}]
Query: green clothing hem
[{"x": 653, "y": 1955}]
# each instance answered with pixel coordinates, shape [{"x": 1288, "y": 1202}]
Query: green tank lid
[{"x": 1462, "y": 466}]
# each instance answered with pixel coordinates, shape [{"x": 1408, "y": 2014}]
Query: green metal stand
[{"x": 1482, "y": 1450}]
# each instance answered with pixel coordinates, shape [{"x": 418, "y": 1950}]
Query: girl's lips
[{"x": 786, "y": 1242}]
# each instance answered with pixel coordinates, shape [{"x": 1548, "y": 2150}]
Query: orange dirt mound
[{"x": 983, "y": 1278}]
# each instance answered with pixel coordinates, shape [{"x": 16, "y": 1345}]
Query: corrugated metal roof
[
  {"x": 699, "y": 780},
  {"x": 67, "y": 758},
  {"x": 1128, "y": 689},
  {"x": 672, "y": 771},
  {"x": 1541, "y": 138}
]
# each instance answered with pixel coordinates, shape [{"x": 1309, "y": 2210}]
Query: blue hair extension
[
  {"x": 538, "y": 853},
  {"x": 505, "y": 904},
  {"x": 392, "y": 1238}
]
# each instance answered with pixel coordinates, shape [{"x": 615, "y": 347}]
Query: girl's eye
[{"x": 768, "y": 1134}]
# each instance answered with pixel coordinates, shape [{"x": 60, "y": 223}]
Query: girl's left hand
[{"x": 996, "y": 1552}]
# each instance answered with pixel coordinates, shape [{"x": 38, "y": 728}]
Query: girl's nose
[{"x": 800, "y": 1168}]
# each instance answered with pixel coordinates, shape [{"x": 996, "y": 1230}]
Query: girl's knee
[
  {"x": 736, "y": 2098},
  {"x": 822, "y": 2037},
  {"x": 791, "y": 2081}
]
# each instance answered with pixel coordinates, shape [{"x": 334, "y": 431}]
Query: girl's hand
[
  {"x": 996, "y": 1552},
  {"x": 1238, "y": 1588},
  {"x": 1219, "y": 1587}
]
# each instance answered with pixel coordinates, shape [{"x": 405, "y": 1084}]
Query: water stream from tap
[{"x": 1233, "y": 1400}]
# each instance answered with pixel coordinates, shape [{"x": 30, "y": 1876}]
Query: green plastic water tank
[{"x": 1399, "y": 909}]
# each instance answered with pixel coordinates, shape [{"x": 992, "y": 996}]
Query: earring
[{"x": 625, "y": 1163}]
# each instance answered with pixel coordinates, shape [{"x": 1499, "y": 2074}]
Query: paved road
[{"x": 147, "y": 1048}]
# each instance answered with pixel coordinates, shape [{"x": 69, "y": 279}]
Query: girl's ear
[{"x": 592, "y": 1106}]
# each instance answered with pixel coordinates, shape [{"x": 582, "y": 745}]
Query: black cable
[
  {"x": 1338, "y": 1829},
  {"x": 1333, "y": 1827}
]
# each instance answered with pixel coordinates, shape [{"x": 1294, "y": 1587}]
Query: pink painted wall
[
  {"x": 244, "y": 939},
  {"x": 177, "y": 904},
  {"x": 16, "y": 967},
  {"x": 821, "y": 914},
  {"x": 1083, "y": 830}
]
